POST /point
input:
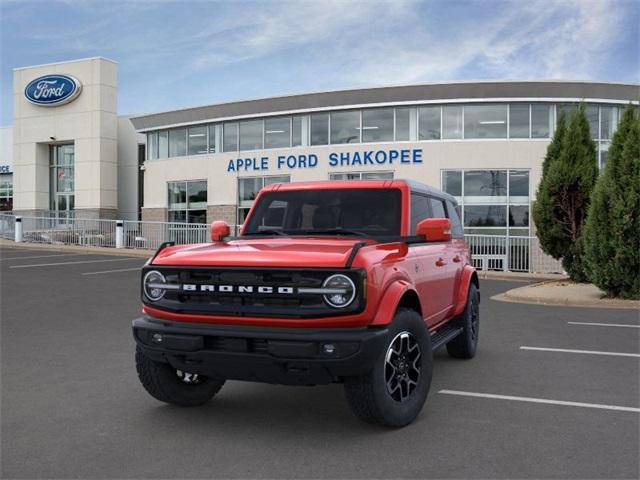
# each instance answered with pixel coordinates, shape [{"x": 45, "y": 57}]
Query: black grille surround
[{"x": 254, "y": 304}]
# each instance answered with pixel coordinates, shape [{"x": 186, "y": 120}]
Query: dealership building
[{"x": 483, "y": 142}]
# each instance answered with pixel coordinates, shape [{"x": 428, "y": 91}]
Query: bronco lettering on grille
[{"x": 190, "y": 287}]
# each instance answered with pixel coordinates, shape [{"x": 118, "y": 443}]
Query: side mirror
[
  {"x": 219, "y": 230},
  {"x": 435, "y": 229}
]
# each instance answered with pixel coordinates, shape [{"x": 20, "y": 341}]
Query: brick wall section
[
  {"x": 214, "y": 212},
  {"x": 80, "y": 213},
  {"x": 32, "y": 213},
  {"x": 154, "y": 214},
  {"x": 101, "y": 213},
  {"x": 222, "y": 212}
]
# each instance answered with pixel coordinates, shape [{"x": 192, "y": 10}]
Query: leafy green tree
[
  {"x": 563, "y": 197},
  {"x": 612, "y": 233}
]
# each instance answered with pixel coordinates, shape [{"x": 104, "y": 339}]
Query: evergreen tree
[
  {"x": 555, "y": 147},
  {"x": 549, "y": 232},
  {"x": 612, "y": 233},
  {"x": 563, "y": 197}
]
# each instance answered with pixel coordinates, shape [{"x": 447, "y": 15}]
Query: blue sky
[{"x": 174, "y": 54}]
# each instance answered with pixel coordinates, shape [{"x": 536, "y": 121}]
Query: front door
[
  {"x": 62, "y": 181},
  {"x": 63, "y": 206}
]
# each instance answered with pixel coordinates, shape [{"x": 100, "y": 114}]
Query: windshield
[{"x": 359, "y": 212}]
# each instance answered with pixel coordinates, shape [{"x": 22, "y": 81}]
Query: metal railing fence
[
  {"x": 150, "y": 235},
  {"x": 7, "y": 226},
  {"x": 489, "y": 252},
  {"x": 515, "y": 254},
  {"x": 69, "y": 231}
]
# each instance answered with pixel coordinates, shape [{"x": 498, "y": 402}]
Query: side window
[
  {"x": 419, "y": 210},
  {"x": 437, "y": 207},
  {"x": 456, "y": 224}
]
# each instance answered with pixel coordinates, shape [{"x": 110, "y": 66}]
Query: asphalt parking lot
[{"x": 72, "y": 406}]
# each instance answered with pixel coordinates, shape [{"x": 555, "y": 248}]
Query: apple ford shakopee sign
[{"x": 53, "y": 90}]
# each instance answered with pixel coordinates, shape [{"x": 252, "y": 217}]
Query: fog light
[
  {"x": 156, "y": 338},
  {"x": 329, "y": 348}
]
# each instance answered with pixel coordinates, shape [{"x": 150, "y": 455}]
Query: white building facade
[
  {"x": 483, "y": 142},
  {"x": 71, "y": 153}
]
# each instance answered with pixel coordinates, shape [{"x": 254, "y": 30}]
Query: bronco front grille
[{"x": 251, "y": 292}]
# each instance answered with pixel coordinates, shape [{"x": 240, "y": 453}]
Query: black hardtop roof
[
  {"x": 428, "y": 190},
  {"x": 413, "y": 185}
]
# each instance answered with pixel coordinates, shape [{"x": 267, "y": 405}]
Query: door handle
[
  {"x": 440, "y": 262},
  {"x": 457, "y": 259}
]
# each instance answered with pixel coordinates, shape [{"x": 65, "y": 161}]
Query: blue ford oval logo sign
[{"x": 53, "y": 90}]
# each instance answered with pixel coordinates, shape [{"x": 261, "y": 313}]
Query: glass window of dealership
[
  {"x": 6, "y": 192},
  {"x": 455, "y": 122},
  {"x": 491, "y": 201},
  {"x": 61, "y": 179},
  {"x": 188, "y": 201}
]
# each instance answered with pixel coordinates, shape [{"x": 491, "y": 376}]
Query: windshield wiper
[
  {"x": 337, "y": 231},
  {"x": 266, "y": 231}
]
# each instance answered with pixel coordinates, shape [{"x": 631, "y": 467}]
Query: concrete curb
[
  {"x": 126, "y": 252},
  {"x": 545, "y": 293},
  {"x": 520, "y": 276}
]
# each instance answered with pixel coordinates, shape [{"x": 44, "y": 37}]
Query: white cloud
[
  {"x": 540, "y": 39},
  {"x": 351, "y": 43},
  {"x": 253, "y": 31},
  {"x": 242, "y": 48},
  {"x": 552, "y": 39},
  {"x": 400, "y": 42}
]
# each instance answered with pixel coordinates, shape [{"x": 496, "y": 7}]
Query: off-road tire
[
  {"x": 466, "y": 344},
  {"x": 162, "y": 382},
  {"x": 368, "y": 395}
]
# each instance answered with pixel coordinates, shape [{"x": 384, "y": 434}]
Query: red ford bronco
[{"x": 355, "y": 282}]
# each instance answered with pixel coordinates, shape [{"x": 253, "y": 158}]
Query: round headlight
[
  {"x": 152, "y": 285},
  {"x": 340, "y": 290}
]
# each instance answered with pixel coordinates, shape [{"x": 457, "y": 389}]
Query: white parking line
[
  {"x": 114, "y": 271},
  {"x": 41, "y": 256},
  {"x": 76, "y": 263},
  {"x": 541, "y": 400},
  {"x": 590, "y": 352},
  {"x": 604, "y": 324}
]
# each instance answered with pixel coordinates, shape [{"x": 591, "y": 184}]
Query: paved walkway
[
  {"x": 565, "y": 292},
  {"x": 129, "y": 252},
  {"x": 510, "y": 276}
]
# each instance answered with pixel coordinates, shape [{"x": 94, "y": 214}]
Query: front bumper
[{"x": 287, "y": 356}]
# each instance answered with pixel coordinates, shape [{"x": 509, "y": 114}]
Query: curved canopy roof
[{"x": 469, "y": 91}]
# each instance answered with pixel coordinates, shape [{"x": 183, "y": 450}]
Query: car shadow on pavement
[
  {"x": 255, "y": 408},
  {"x": 252, "y": 408}
]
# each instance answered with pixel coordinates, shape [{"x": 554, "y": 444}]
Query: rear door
[
  {"x": 460, "y": 250},
  {"x": 427, "y": 265},
  {"x": 448, "y": 258}
]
